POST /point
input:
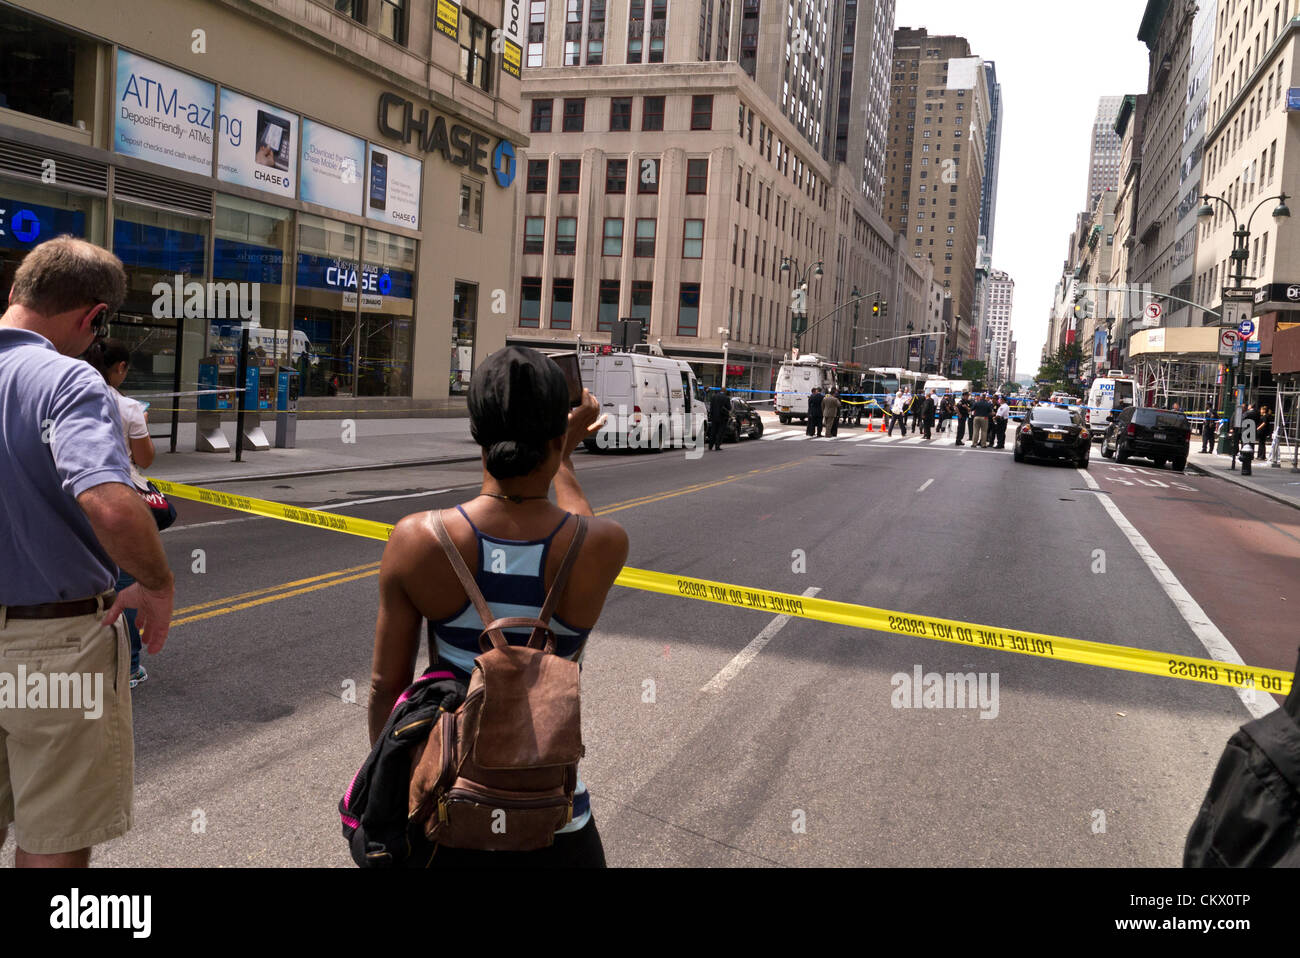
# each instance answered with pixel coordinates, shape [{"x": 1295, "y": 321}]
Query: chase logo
[{"x": 503, "y": 163}]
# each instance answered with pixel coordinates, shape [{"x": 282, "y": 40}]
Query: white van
[
  {"x": 649, "y": 399},
  {"x": 794, "y": 384},
  {"x": 1106, "y": 394}
]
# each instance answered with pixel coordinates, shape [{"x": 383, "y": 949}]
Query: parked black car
[
  {"x": 1160, "y": 435},
  {"x": 744, "y": 421},
  {"x": 1053, "y": 432}
]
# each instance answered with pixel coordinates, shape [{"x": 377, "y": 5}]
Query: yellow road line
[
  {"x": 273, "y": 598},
  {"x": 274, "y": 588}
]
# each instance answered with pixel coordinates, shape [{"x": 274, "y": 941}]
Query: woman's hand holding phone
[{"x": 585, "y": 421}]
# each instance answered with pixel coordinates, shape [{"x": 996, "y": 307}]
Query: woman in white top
[{"x": 112, "y": 359}]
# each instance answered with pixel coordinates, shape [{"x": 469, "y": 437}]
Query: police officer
[
  {"x": 815, "y": 412},
  {"x": 719, "y": 417}
]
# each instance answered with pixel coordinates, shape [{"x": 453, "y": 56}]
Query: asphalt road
[{"x": 253, "y": 718}]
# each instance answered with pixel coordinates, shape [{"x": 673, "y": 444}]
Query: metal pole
[
  {"x": 176, "y": 379},
  {"x": 241, "y": 382},
  {"x": 724, "y": 364}
]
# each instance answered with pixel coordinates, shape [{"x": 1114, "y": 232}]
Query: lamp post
[
  {"x": 800, "y": 304},
  {"x": 726, "y": 344},
  {"x": 1240, "y": 254}
]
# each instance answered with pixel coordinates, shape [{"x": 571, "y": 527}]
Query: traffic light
[
  {"x": 884, "y": 308},
  {"x": 875, "y": 309}
]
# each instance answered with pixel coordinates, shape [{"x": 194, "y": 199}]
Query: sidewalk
[
  {"x": 1277, "y": 483},
  {"x": 323, "y": 446}
]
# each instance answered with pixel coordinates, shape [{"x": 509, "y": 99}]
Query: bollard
[{"x": 1247, "y": 454}]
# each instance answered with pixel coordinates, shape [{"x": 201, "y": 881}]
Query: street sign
[
  {"x": 1228, "y": 339},
  {"x": 1233, "y": 295},
  {"x": 1293, "y": 99},
  {"x": 1153, "y": 312},
  {"x": 1245, "y": 328}
]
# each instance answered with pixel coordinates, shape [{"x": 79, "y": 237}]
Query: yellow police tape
[{"x": 1039, "y": 645}]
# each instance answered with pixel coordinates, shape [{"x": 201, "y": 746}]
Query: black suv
[
  {"x": 1160, "y": 435},
  {"x": 744, "y": 421}
]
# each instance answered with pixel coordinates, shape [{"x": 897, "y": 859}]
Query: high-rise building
[
  {"x": 1001, "y": 296},
  {"x": 862, "y": 92},
  {"x": 642, "y": 198},
  {"x": 935, "y": 177},
  {"x": 989, "y": 192},
  {"x": 1103, "y": 150},
  {"x": 1182, "y": 268}
]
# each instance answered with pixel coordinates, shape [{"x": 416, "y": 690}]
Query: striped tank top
[{"x": 511, "y": 575}]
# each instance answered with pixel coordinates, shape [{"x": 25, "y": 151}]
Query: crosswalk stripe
[
  {"x": 884, "y": 439},
  {"x": 915, "y": 441},
  {"x": 777, "y": 435}
]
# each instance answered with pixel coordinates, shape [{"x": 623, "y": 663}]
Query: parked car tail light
[
  {"x": 1026, "y": 429},
  {"x": 1132, "y": 429}
]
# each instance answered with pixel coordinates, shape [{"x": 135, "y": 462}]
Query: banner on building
[
  {"x": 332, "y": 163},
  {"x": 393, "y": 193},
  {"x": 447, "y": 19},
  {"x": 258, "y": 144},
  {"x": 163, "y": 115},
  {"x": 512, "y": 40}
]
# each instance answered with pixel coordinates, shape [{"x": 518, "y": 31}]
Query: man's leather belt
[{"x": 59, "y": 610}]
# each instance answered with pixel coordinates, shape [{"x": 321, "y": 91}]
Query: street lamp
[
  {"x": 724, "y": 331},
  {"x": 814, "y": 269},
  {"x": 1240, "y": 254}
]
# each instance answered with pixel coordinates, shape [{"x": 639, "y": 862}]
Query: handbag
[{"x": 164, "y": 513}]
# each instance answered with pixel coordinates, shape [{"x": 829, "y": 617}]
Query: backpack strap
[{"x": 561, "y": 576}]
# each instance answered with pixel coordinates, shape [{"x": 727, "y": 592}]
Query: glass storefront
[
  {"x": 464, "y": 323},
  {"x": 32, "y": 214},
  {"x": 162, "y": 252},
  {"x": 250, "y": 247},
  {"x": 326, "y": 307},
  {"x": 384, "y": 363}
]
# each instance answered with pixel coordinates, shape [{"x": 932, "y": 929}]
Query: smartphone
[
  {"x": 273, "y": 133},
  {"x": 568, "y": 363},
  {"x": 378, "y": 179}
]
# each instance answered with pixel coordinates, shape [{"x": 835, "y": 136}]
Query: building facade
[
  {"x": 366, "y": 218},
  {"x": 989, "y": 190},
  {"x": 1103, "y": 150},
  {"x": 1001, "y": 299}
]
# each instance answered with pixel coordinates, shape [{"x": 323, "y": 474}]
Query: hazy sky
[{"x": 1053, "y": 61}]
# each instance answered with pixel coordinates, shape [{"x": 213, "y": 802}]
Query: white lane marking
[
  {"x": 780, "y": 434},
  {"x": 883, "y": 439},
  {"x": 865, "y": 435},
  {"x": 750, "y": 652},
  {"x": 1214, "y": 641},
  {"x": 329, "y": 508},
  {"x": 796, "y": 437},
  {"x": 925, "y": 485}
]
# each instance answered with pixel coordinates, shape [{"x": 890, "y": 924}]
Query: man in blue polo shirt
[{"x": 69, "y": 517}]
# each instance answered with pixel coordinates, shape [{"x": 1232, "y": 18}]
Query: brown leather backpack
[{"x": 499, "y": 773}]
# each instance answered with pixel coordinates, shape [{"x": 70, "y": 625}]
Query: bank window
[
  {"x": 693, "y": 240},
  {"x": 702, "y": 112},
  {"x": 471, "y": 204},
  {"x": 688, "y": 310},
  {"x": 652, "y": 113},
  {"x": 566, "y": 235},
  {"x": 562, "y": 304},
  {"x": 575, "y": 111},
  {"x": 697, "y": 176},
  {"x": 530, "y": 301},
  {"x": 541, "y": 122},
  {"x": 534, "y": 234},
  {"x": 475, "y": 58},
  {"x": 616, "y": 176},
  {"x": 648, "y": 179},
  {"x": 538, "y": 171},
  {"x": 613, "y": 237},
  {"x": 607, "y": 311},
  {"x": 44, "y": 71},
  {"x": 570, "y": 172},
  {"x": 620, "y": 113},
  {"x": 386, "y": 322},
  {"x": 392, "y": 20},
  {"x": 645, "y": 238}
]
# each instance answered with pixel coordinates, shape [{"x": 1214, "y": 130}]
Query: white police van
[
  {"x": 649, "y": 400},
  {"x": 1107, "y": 394}
]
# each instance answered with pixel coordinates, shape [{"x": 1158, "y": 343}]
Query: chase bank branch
[{"x": 340, "y": 172}]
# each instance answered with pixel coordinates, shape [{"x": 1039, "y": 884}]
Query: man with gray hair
[{"x": 69, "y": 517}]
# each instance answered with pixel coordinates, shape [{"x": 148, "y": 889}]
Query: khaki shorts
[{"x": 66, "y": 749}]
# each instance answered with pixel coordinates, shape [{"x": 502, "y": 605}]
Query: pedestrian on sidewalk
[
  {"x": 1000, "y": 428},
  {"x": 111, "y": 360},
  {"x": 815, "y": 412},
  {"x": 831, "y": 413},
  {"x": 719, "y": 418},
  {"x": 1207, "y": 431},
  {"x": 927, "y": 414},
  {"x": 897, "y": 408},
  {"x": 519, "y": 415},
  {"x": 1263, "y": 432},
  {"x": 963, "y": 416},
  {"x": 980, "y": 413},
  {"x": 69, "y": 517}
]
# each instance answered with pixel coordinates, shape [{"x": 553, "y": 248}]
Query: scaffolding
[{"x": 1192, "y": 382}]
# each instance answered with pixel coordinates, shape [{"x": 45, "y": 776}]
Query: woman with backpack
[{"x": 516, "y": 541}]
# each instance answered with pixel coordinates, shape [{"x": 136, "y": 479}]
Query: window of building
[
  {"x": 645, "y": 238},
  {"x": 534, "y": 234},
  {"x": 570, "y": 173},
  {"x": 541, "y": 121},
  {"x": 607, "y": 310},
  {"x": 616, "y": 176},
  {"x": 561, "y": 303},
  {"x": 530, "y": 301},
  {"x": 620, "y": 113},
  {"x": 537, "y": 175},
  {"x": 566, "y": 235},
  {"x": 652, "y": 113},
  {"x": 648, "y": 179},
  {"x": 475, "y": 52},
  {"x": 702, "y": 112},
  {"x": 697, "y": 176},
  {"x": 635, "y": 32},
  {"x": 392, "y": 20},
  {"x": 471, "y": 204},
  {"x": 693, "y": 240},
  {"x": 575, "y": 112},
  {"x": 688, "y": 310},
  {"x": 642, "y": 295},
  {"x": 613, "y": 239},
  {"x": 536, "y": 32}
]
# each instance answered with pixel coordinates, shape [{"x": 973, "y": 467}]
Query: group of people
[
  {"x": 824, "y": 413},
  {"x": 983, "y": 417},
  {"x": 1260, "y": 415}
]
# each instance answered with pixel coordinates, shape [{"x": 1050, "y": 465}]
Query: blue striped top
[{"x": 511, "y": 575}]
